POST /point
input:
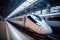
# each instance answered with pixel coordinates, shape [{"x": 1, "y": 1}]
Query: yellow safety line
[{"x": 7, "y": 33}]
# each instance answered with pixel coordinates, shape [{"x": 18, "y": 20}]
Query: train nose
[{"x": 46, "y": 31}]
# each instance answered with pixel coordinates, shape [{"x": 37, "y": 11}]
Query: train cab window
[
  {"x": 31, "y": 19},
  {"x": 19, "y": 19},
  {"x": 38, "y": 18},
  {"x": 54, "y": 19}
]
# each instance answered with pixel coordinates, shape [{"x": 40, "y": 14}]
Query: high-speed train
[{"x": 33, "y": 22}]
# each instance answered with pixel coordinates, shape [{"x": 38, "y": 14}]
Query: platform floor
[{"x": 11, "y": 31}]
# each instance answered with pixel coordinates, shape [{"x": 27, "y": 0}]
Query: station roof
[{"x": 7, "y": 6}]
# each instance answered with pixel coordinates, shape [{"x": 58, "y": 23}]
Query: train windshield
[
  {"x": 38, "y": 18},
  {"x": 34, "y": 18}
]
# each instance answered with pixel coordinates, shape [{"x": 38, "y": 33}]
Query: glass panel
[
  {"x": 55, "y": 9},
  {"x": 44, "y": 11},
  {"x": 26, "y": 4},
  {"x": 38, "y": 18},
  {"x": 38, "y": 13},
  {"x": 31, "y": 0},
  {"x": 31, "y": 19}
]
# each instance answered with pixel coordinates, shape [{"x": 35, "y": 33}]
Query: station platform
[{"x": 11, "y": 31}]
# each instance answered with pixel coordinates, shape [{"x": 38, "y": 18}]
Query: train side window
[
  {"x": 31, "y": 19},
  {"x": 19, "y": 19},
  {"x": 54, "y": 19}
]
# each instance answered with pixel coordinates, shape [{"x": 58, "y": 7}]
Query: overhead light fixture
[
  {"x": 31, "y": 0},
  {"x": 21, "y": 7}
]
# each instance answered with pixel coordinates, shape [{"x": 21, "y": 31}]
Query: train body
[{"x": 33, "y": 22}]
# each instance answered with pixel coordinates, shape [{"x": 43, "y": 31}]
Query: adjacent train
[{"x": 33, "y": 22}]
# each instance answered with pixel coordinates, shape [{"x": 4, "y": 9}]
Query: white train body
[{"x": 34, "y": 23}]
